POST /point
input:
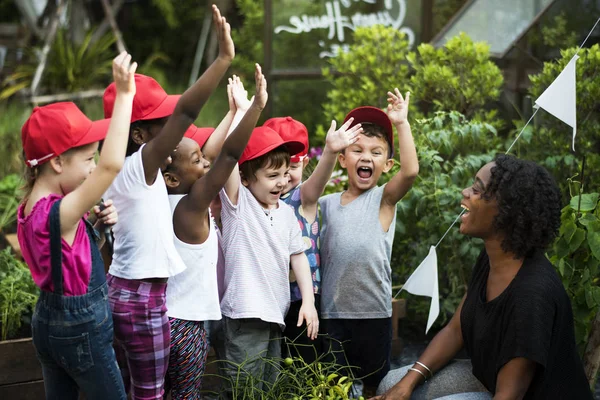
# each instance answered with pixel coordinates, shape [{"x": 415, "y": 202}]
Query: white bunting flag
[
  {"x": 559, "y": 98},
  {"x": 424, "y": 282}
]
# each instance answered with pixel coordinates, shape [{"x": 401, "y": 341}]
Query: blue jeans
[{"x": 73, "y": 337}]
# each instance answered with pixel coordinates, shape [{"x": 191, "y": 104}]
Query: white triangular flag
[
  {"x": 424, "y": 282},
  {"x": 559, "y": 98}
]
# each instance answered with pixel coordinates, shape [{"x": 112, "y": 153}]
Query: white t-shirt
[
  {"x": 143, "y": 245},
  {"x": 193, "y": 295},
  {"x": 257, "y": 246}
]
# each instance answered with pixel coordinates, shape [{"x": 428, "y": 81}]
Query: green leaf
[
  {"x": 594, "y": 242},
  {"x": 589, "y": 201},
  {"x": 587, "y": 219},
  {"x": 568, "y": 229},
  {"x": 577, "y": 239}
]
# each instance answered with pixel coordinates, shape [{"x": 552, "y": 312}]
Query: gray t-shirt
[{"x": 355, "y": 258}]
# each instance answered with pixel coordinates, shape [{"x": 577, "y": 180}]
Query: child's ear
[
  {"x": 305, "y": 162},
  {"x": 171, "y": 180},
  {"x": 56, "y": 163},
  {"x": 243, "y": 179},
  {"x": 139, "y": 136},
  {"x": 342, "y": 159},
  {"x": 388, "y": 165}
]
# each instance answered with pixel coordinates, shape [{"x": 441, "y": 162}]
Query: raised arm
[
  {"x": 444, "y": 346},
  {"x": 335, "y": 141},
  {"x": 112, "y": 157},
  {"x": 240, "y": 96},
  {"x": 399, "y": 185},
  {"x": 205, "y": 189},
  {"x": 189, "y": 105},
  {"x": 213, "y": 145}
]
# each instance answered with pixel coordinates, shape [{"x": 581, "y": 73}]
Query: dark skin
[
  {"x": 189, "y": 173},
  {"x": 162, "y": 140},
  {"x": 515, "y": 377}
]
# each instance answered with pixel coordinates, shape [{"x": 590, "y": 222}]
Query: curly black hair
[{"x": 529, "y": 205}]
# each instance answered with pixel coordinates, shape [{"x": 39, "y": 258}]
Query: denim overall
[{"x": 73, "y": 335}]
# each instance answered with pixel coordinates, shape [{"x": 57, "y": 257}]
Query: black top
[{"x": 531, "y": 318}]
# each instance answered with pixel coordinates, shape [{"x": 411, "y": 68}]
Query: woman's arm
[{"x": 444, "y": 346}]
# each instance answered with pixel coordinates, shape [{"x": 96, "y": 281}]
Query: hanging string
[
  {"x": 522, "y": 130},
  {"x": 588, "y": 36},
  {"x": 440, "y": 241}
]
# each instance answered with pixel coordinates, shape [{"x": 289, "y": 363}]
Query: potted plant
[{"x": 20, "y": 372}]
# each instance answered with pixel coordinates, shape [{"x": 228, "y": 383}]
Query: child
[
  {"x": 72, "y": 326},
  {"x": 261, "y": 238},
  {"x": 144, "y": 254},
  {"x": 192, "y": 296},
  {"x": 358, "y": 231},
  {"x": 303, "y": 198}
]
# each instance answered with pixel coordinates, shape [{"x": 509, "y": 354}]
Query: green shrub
[
  {"x": 69, "y": 68},
  {"x": 576, "y": 256},
  {"x": 18, "y": 294},
  {"x": 457, "y": 77}
]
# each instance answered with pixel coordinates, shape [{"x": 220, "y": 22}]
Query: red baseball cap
[
  {"x": 150, "y": 101},
  {"x": 53, "y": 129},
  {"x": 265, "y": 139},
  {"x": 199, "y": 135},
  {"x": 375, "y": 116},
  {"x": 290, "y": 129}
]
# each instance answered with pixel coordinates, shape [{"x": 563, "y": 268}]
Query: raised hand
[
  {"x": 240, "y": 95},
  {"x": 397, "y": 110},
  {"x": 260, "y": 99},
  {"x": 338, "y": 140},
  {"x": 232, "y": 106},
  {"x": 223, "y": 29},
  {"x": 124, "y": 73}
]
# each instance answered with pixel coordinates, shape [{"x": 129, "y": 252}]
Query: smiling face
[
  {"x": 74, "y": 166},
  {"x": 365, "y": 161},
  {"x": 296, "y": 170},
  {"x": 187, "y": 166},
  {"x": 267, "y": 176},
  {"x": 480, "y": 212}
]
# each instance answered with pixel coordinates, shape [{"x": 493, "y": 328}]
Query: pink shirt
[{"x": 33, "y": 232}]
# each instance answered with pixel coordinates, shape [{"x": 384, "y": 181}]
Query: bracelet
[
  {"x": 426, "y": 367},
  {"x": 416, "y": 370}
]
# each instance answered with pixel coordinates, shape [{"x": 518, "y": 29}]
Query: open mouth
[
  {"x": 466, "y": 210},
  {"x": 276, "y": 193},
  {"x": 365, "y": 172}
]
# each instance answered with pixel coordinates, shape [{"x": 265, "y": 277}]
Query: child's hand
[
  {"x": 232, "y": 106},
  {"x": 106, "y": 217},
  {"x": 397, "y": 110},
  {"x": 124, "y": 73},
  {"x": 338, "y": 140},
  {"x": 308, "y": 313},
  {"x": 240, "y": 95},
  {"x": 226, "y": 46},
  {"x": 260, "y": 99}
]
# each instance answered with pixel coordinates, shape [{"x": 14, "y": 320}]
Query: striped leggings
[{"x": 189, "y": 349}]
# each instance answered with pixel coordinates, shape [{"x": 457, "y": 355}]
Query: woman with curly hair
[{"x": 515, "y": 321}]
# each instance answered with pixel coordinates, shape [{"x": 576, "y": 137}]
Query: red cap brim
[
  {"x": 164, "y": 109},
  {"x": 199, "y": 135},
  {"x": 96, "y": 133},
  {"x": 293, "y": 147},
  {"x": 375, "y": 116}
]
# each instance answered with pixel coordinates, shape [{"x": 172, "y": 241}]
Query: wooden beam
[
  {"x": 113, "y": 24},
  {"x": 105, "y": 25},
  {"x": 52, "y": 27},
  {"x": 51, "y": 98}
]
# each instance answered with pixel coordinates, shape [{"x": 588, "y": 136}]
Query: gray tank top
[{"x": 355, "y": 258}]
